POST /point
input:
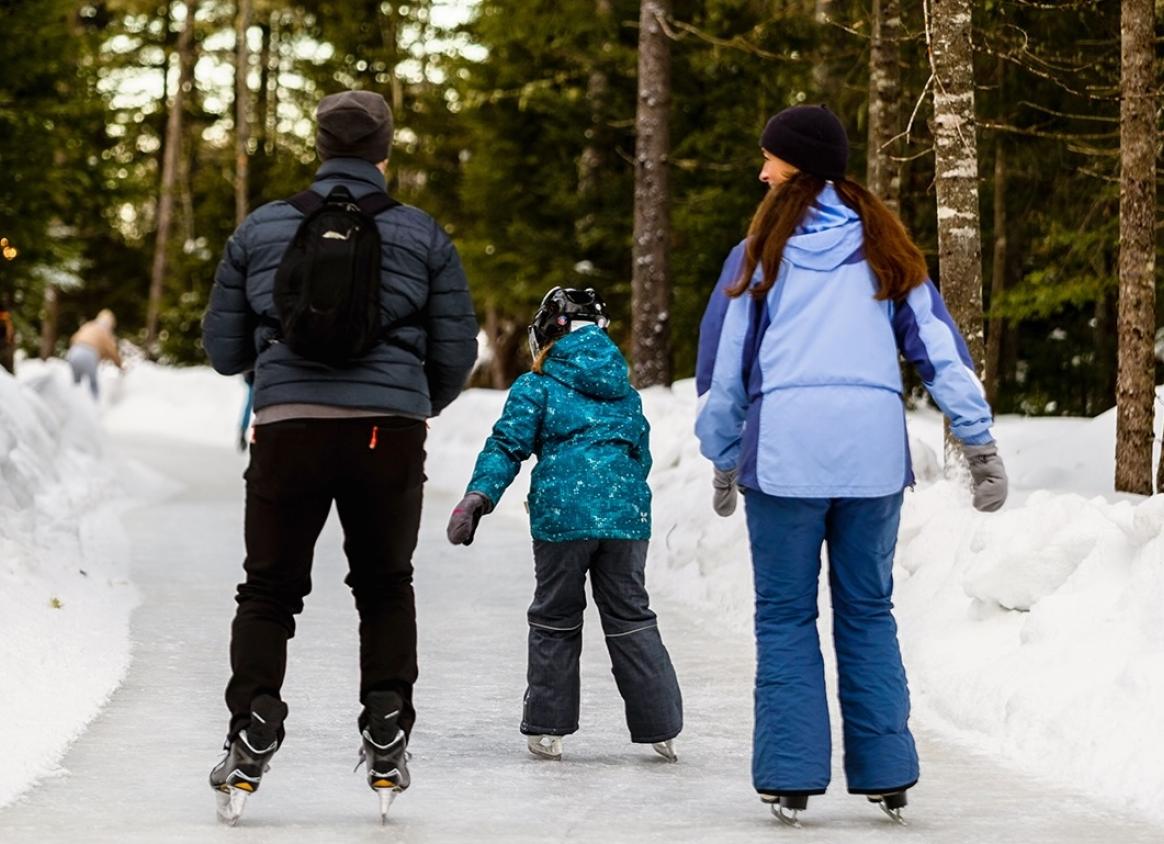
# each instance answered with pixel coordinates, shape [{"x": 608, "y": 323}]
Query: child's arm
[
  {"x": 512, "y": 440},
  {"x": 642, "y": 451}
]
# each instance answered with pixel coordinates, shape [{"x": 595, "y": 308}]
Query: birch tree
[
  {"x": 883, "y": 174},
  {"x": 956, "y": 166},
  {"x": 650, "y": 276},
  {"x": 186, "y": 55},
  {"x": 1135, "y": 380}
]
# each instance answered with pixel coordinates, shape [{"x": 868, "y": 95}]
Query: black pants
[{"x": 374, "y": 471}]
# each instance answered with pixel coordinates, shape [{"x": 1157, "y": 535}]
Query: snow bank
[
  {"x": 65, "y": 600},
  {"x": 1034, "y": 633}
]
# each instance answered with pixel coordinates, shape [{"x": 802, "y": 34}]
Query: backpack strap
[
  {"x": 376, "y": 203},
  {"x": 308, "y": 201}
]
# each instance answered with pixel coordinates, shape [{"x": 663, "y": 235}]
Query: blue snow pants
[{"x": 792, "y": 741}]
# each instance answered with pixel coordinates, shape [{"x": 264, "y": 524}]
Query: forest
[{"x": 135, "y": 134}]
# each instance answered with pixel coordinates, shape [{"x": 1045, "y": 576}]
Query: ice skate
[
  {"x": 247, "y": 758},
  {"x": 384, "y": 749},
  {"x": 546, "y": 747},
  {"x": 891, "y": 804},
  {"x": 787, "y": 807},
  {"x": 666, "y": 749}
]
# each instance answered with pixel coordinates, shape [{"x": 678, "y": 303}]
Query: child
[{"x": 590, "y": 510}]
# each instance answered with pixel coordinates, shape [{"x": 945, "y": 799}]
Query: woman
[{"x": 801, "y": 407}]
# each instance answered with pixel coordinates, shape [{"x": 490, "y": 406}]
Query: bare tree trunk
[
  {"x": 242, "y": 120},
  {"x": 52, "y": 316},
  {"x": 650, "y": 275},
  {"x": 597, "y": 91},
  {"x": 1135, "y": 382},
  {"x": 883, "y": 174},
  {"x": 277, "y": 38},
  {"x": 956, "y": 164},
  {"x": 186, "y": 49},
  {"x": 997, "y": 325}
]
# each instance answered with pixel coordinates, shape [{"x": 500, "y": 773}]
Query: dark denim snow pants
[
  {"x": 792, "y": 739},
  {"x": 641, "y": 666}
]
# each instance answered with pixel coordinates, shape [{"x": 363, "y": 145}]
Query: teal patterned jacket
[{"x": 585, "y": 423}]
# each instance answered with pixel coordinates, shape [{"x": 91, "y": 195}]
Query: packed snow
[{"x": 1031, "y": 635}]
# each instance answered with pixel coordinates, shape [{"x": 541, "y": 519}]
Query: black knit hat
[
  {"x": 354, "y": 124},
  {"x": 811, "y": 139}
]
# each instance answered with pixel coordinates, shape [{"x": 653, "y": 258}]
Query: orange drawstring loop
[{"x": 372, "y": 442}]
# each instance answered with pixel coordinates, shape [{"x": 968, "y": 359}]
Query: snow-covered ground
[
  {"x": 1032, "y": 636},
  {"x": 65, "y": 597}
]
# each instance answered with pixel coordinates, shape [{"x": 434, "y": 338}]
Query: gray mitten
[
  {"x": 463, "y": 521},
  {"x": 723, "y": 500},
  {"x": 988, "y": 476}
]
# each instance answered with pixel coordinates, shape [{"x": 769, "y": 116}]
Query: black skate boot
[
  {"x": 383, "y": 751},
  {"x": 786, "y": 807},
  {"x": 248, "y": 756},
  {"x": 891, "y": 804}
]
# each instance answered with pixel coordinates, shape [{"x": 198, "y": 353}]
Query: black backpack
[{"x": 327, "y": 287}]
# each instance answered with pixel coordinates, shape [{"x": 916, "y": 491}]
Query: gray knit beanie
[{"x": 354, "y": 124}]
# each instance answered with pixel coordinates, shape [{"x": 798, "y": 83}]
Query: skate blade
[
  {"x": 387, "y": 795},
  {"x": 893, "y": 814},
  {"x": 666, "y": 751},
  {"x": 231, "y": 802},
  {"x": 788, "y": 819}
]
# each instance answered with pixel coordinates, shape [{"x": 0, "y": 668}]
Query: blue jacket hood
[
  {"x": 829, "y": 235},
  {"x": 587, "y": 360}
]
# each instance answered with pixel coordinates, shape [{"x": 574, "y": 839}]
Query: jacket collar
[{"x": 356, "y": 169}]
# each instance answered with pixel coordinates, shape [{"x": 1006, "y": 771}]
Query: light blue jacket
[{"x": 802, "y": 392}]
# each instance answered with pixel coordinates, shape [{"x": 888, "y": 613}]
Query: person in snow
[
  {"x": 327, "y": 429},
  {"x": 590, "y": 511},
  {"x": 93, "y": 343},
  {"x": 800, "y": 406}
]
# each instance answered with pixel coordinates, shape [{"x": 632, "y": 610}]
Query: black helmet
[{"x": 561, "y": 307}]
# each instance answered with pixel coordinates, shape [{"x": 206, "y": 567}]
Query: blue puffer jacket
[
  {"x": 585, "y": 423},
  {"x": 419, "y": 368},
  {"x": 802, "y": 392}
]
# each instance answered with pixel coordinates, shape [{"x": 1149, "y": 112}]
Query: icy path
[{"x": 139, "y": 774}]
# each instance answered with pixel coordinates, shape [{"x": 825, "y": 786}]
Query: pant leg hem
[
  {"x": 527, "y": 730},
  {"x": 667, "y": 736},
  {"x": 791, "y": 792},
  {"x": 891, "y": 790}
]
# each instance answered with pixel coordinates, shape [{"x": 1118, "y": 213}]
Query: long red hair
[{"x": 895, "y": 259}]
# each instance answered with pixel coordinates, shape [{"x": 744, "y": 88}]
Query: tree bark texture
[
  {"x": 242, "y": 119},
  {"x": 186, "y": 53},
  {"x": 883, "y": 174},
  {"x": 997, "y": 325},
  {"x": 956, "y": 177},
  {"x": 1136, "y": 376},
  {"x": 650, "y": 279},
  {"x": 52, "y": 317}
]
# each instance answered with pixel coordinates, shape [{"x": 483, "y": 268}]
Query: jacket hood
[
  {"x": 587, "y": 360},
  {"x": 829, "y": 235}
]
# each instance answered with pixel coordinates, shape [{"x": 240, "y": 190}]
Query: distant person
[
  {"x": 590, "y": 513},
  {"x": 93, "y": 343},
  {"x": 801, "y": 408},
  {"x": 7, "y": 337},
  {"x": 353, "y": 311}
]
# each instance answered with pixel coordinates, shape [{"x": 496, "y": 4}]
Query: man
[
  {"x": 93, "y": 343},
  {"x": 351, "y": 432}
]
